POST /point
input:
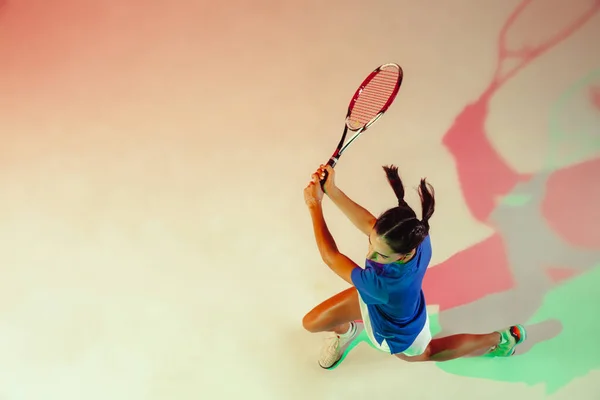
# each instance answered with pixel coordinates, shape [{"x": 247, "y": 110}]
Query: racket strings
[{"x": 374, "y": 97}]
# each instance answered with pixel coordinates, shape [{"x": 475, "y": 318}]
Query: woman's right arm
[{"x": 360, "y": 217}]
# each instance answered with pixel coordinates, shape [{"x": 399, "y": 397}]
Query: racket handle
[{"x": 332, "y": 161}]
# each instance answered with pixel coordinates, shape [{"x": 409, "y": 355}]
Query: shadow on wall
[{"x": 541, "y": 266}]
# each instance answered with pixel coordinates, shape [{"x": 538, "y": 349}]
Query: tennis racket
[{"x": 372, "y": 98}]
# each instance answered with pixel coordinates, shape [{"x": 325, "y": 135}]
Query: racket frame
[{"x": 341, "y": 147}]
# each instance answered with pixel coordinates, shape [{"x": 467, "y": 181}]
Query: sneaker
[
  {"x": 509, "y": 339},
  {"x": 335, "y": 346}
]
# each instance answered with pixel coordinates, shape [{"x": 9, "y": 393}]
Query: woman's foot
[
  {"x": 510, "y": 338},
  {"x": 335, "y": 346}
]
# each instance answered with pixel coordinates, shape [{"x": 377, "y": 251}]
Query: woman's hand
[
  {"x": 329, "y": 185},
  {"x": 313, "y": 194}
]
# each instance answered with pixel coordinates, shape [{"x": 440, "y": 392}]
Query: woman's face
[{"x": 381, "y": 253}]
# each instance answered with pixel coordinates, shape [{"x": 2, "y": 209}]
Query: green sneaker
[{"x": 510, "y": 338}]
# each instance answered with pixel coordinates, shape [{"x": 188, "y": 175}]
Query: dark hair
[{"x": 399, "y": 226}]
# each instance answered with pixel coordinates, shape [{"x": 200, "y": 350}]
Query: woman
[{"x": 386, "y": 299}]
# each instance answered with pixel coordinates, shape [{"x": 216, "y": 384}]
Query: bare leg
[
  {"x": 334, "y": 314},
  {"x": 341, "y": 329},
  {"x": 452, "y": 347},
  {"x": 456, "y": 346}
]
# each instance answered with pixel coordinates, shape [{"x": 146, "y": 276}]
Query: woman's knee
[
  {"x": 310, "y": 322},
  {"x": 425, "y": 356},
  {"x": 337, "y": 310}
]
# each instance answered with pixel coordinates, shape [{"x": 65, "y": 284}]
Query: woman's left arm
[{"x": 338, "y": 262}]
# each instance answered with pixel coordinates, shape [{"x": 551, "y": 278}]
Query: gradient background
[{"x": 154, "y": 242}]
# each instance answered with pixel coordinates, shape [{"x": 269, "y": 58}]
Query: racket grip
[
  {"x": 323, "y": 179},
  {"x": 332, "y": 161}
]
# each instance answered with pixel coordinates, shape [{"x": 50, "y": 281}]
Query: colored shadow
[
  {"x": 571, "y": 146},
  {"x": 555, "y": 278},
  {"x": 483, "y": 175},
  {"x": 573, "y": 353}
]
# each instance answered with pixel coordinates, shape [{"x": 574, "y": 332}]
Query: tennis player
[{"x": 386, "y": 298}]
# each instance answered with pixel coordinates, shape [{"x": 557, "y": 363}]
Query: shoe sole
[
  {"x": 523, "y": 333},
  {"x": 332, "y": 365},
  {"x": 523, "y": 336}
]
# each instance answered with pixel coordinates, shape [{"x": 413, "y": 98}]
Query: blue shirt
[{"x": 394, "y": 297}]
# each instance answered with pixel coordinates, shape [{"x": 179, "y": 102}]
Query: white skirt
[{"x": 417, "y": 348}]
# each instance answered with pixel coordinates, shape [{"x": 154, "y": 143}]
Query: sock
[{"x": 350, "y": 331}]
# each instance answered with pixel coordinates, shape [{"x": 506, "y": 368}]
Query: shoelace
[{"x": 333, "y": 343}]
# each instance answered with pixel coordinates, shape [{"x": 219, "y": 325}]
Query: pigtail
[
  {"x": 395, "y": 182},
  {"x": 426, "y": 193}
]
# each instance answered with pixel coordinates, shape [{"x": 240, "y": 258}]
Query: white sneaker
[{"x": 336, "y": 345}]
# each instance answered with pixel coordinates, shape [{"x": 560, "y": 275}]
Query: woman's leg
[
  {"x": 336, "y": 314},
  {"x": 448, "y": 348}
]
